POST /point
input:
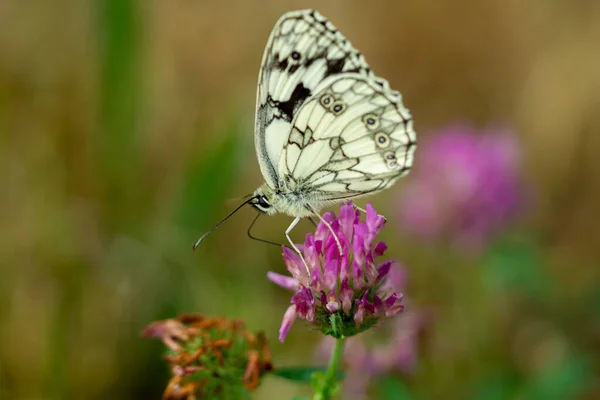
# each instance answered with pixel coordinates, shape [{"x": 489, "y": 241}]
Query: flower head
[
  {"x": 465, "y": 185},
  {"x": 341, "y": 294},
  {"x": 208, "y": 355}
]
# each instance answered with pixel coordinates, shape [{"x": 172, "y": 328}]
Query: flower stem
[{"x": 329, "y": 385}]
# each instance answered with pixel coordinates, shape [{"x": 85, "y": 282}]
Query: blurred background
[{"x": 126, "y": 129}]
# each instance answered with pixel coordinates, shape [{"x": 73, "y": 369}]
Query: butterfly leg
[
  {"x": 362, "y": 210},
  {"x": 251, "y": 236},
  {"x": 287, "y": 235},
  {"x": 337, "y": 240}
]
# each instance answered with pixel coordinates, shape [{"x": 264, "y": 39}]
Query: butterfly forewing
[{"x": 304, "y": 49}]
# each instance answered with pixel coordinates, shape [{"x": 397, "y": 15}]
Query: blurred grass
[
  {"x": 121, "y": 142},
  {"x": 117, "y": 141}
]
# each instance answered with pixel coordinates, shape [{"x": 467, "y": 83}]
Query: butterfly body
[{"x": 294, "y": 201}]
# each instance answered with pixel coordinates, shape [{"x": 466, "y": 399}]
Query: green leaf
[
  {"x": 303, "y": 374},
  {"x": 393, "y": 389}
]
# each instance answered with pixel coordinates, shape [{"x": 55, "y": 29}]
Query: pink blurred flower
[
  {"x": 465, "y": 185},
  {"x": 341, "y": 295}
]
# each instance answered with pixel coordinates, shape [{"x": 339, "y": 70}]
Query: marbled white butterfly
[{"x": 327, "y": 129}]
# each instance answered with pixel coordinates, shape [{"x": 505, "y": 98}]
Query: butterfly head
[{"x": 263, "y": 200}]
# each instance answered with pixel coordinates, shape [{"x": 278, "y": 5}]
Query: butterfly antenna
[{"x": 220, "y": 222}]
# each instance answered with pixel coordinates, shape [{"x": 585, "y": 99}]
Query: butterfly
[{"x": 327, "y": 129}]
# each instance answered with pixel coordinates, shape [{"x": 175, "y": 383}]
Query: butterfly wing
[
  {"x": 351, "y": 138},
  {"x": 304, "y": 49}
]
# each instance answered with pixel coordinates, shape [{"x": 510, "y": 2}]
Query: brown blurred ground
[{"x": 96, "y": 152}]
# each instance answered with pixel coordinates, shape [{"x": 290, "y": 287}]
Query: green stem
[{"x": 328, "y": 383}]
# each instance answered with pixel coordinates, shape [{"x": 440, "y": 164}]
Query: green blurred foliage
[
  {"x": 393, "y": 389},
  {"x": 302, "y": 374},
  {"x": 126, "y": 127}
]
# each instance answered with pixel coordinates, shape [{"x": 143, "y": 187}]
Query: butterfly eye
[
  {"x": 326, "y": 100},
  {"x": 371, "y": 121},
  {"x": 262, "y": 203},
  {"x": 338, "y": 107},
  {"x": 382, "y": 140}
]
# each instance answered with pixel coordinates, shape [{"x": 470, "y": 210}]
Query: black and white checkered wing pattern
[
  {"x": 352, "y": 137},
  {"x": 304, "y": 50}
]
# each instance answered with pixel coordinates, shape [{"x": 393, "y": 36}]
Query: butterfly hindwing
[
  {"x": 304, "y": 49},
  {"x": 350, "y": 138}
]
